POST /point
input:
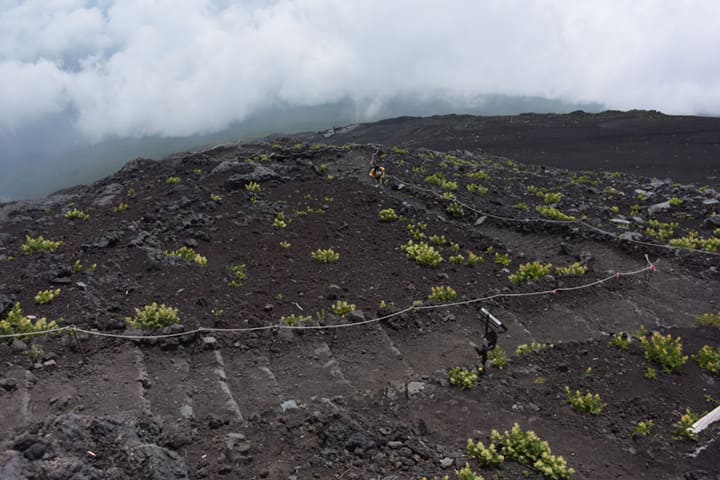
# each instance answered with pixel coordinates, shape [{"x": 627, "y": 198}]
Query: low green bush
[
  {"x": 527, "y": 448},
  {"x": 708, "y": 320},
  {"x": 681, "y": 427},
  {"x": 620, "y": 340},
  {"x": 238, "y": 275},
  {"x": 498, "y": 357},
  {"x": 187, "y": 254},
  {"x": 576, "y": 269},
  {"x": 294, "y": 320},
  {"x": 342, "y": 308},
  {"x": 485, "y": 456},
  {"x": 173, "y": 180},
  {"x": 76, "y": 214},
  {"x": 553, "y": 214},
  {"x": 530, "y": 271},
  {"x": 46, "y": 296},
  {"x": 17, "y": 323},
  {"x": 588, "y": 403},
  {"x": 462, "y": 378},
  {"x": 423, "y": 253},
  {"x": 708, "y": 358},
  {"x": 39, "y": 244},
  {"x": 387, "y": 215},
  {"x": 455, "y": 210},
  {"x": 280, "y": 221},
  {"x": 153, "y": 317},
  {"x": 327, "y": 255},
  {"x": 525, "y": 348},
  {"x": 664, "y": 350},
  {"x": 643, "y": 428},
  {"x": 442, "y": 294}
]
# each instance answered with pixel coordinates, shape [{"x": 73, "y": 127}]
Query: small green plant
[
  {"x": 214, "y": 197},
  {"x": 475, "y": 188},
  {"x": 588, "y": 403},
  {"x": 121, "y": 207},
  {"x": 76, "y": 267},
  {"x": 693, "y": 241},
  {"x": 498, "y": 357},
  {"x": 485, "y": 456},
  {"x": 17, "y": 323},
  {"x": 197, "y": 171},
  {"x": 456, "y": 259},
  {"x": 416, "y": 231},
  {"x": 387, "y": 215},
  {"x": 650, "y": 373},
  {"x": 238, "y": 275},
  {"x": 675, "y": 202},
  {"x": 660, "y": 230},
  {"x": 187, "y": 254},
  {"x": 46, "y": 296},
  {"x": 76, "y": 214},
  {"x": 280, "y": 221},
  {"x": 442, "y": 294},
  {"x": 36, "y": 353},
  {"x": 131, "y": 192},
  {"x": 522, "y": 206},
  {"x": 398, "y": 151},
  {"x": 327, "y": 255},
  {"x": 614, "y": 209},
  {"x": 554, "y": 214},
  {"x": 39, "y": 244},
  {"x": 550, "y": 198},
  {"x": 253, "y": 188},
  {"x": 664, "y": 350},
  {"x": 708, "y": 320},
  {"x": 635, "y": 210},
  {"x": 455, "y": 210},
  {"x": 539, "y": 380},
  {"x": 294, "y": 320},
  {"x": 473, "y": 259},
  {"x": 525, "y": 348},
  {"x": 342, "y": 308},
  {"x": 530, "y": 271},
  {"x": 708, "y": 358},
  {"x": 643, "y": 428},
  {"x": 529, "y": 449},
  {"x": 479, "y": 175},
  {"x": 449, "y": 196},
  {"x": 423, "y": 253},
  {"x": 91, "y": 268},
  {"x": 437, "y": 239},
  {"x": 467, "y": 473},
  {"x": 576, "y": 269},
  {"x": 502, "y": 259},
  {"x": 620, "y": 340},
  {"x": 153, "y": 317},
  {"x": 462, "y": 378},
  {"x": 173, "y": 180},
  {"x": 682, "y": 426},
  {"x": 285, "y": 245},
  {"x": 439, "y": 180}
]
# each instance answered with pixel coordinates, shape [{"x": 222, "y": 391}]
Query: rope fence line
[
  {"x": 650, "y": 267},
  {"x": 555, "y": 222}
]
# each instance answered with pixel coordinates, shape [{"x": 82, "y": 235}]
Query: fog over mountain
[{"x": 89, "y": 84}]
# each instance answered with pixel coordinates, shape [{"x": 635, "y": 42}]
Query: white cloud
[{"x": 132, "y": 67}]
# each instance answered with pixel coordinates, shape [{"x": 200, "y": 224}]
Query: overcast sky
[{"x": 169, "y": 67}]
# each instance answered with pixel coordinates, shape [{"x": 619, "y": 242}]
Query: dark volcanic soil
[{"x": 366, "y": 401}]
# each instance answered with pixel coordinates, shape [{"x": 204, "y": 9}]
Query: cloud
[{"x": 133, "y": 68}]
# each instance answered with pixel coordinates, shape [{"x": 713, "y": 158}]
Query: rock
[
  {"x": 8, "y": 384},
  {"x": 357, "y": 316},
  {"x": 50, "y": 363},
  {"x": 620, "y": 221},
  {"x": 6, "y": 303},
  {"x": 209, "y": 343},
  {"x": 36, "y": 451},
  {"x": 61, "y": 281},
  {"x": 81, "y": 285},
  {"x": 215, "y": 421},
  {"x": 712, "y": 222},
  {"x": 235, "y": 444},
  {"x": 711, "y": 201},
  {"x": 446, "y": 462},
  {"x": 18, "y": 346},
  {"x": 659, "y": 207},
  {"x": 250, "y": 173},
  {"x": 394, "y": 444},
  {"x": 632, "y": 236},
  {"x": 441, "y": 378},
  {"x": 288, "y": 405},
  {"x": 480, "y": 220},
  {"x": 415, "y": 388},
  {"x": 107, "y": 195}
]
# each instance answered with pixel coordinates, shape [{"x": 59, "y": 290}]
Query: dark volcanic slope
[
  {"x": 372, "y": 400},
  {"x": 638, "y": 142}
]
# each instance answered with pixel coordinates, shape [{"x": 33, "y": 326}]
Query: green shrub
[
  {"x": 455, "y": 210},
  {"x": 681, "y": 427},
  {"x": 253, "y": 187},
  {"x": 693, "y": 241},
  {"x": 46, "y": 296},
  {"x": 485, "y": 456},
  {"x": 643, "y": 428},
  {"x": 708, "y": 358},
  {"x": 588, "y": 403},
  {"x": 456, "y": 259},
  {"x": 294, "y": 320},
  {"x": 327, "y": 255},
  {"x": 285, "y": 245},
  {"x": 708, "y": 320},
  {"x": 664, "y": 350},
  {"x": 620, "y": 340},
  {"x": 554, "y": 214},
  {"x": 76, "y": 214},
  {"x": 423, "y": 253},
  {"x": 530, "y": 271},
  {"x": 36, "y": 353},
  {"x": 529, "y": 449},
  {"x": 280, "y": 221},
  {"x": 238, "y": 275},
  {"x": 187, "y": 254},
  {"x": 442, "y": 294},
  {"x": 479, "y": 175},
  {"x": 473, "y": 259},
  {"x": 398, "y": 151},
  {"x": 650, "y": 373},
  {"x": 502, "y": 259},
  {"x": 122, "y": 206},
  {"x": 439, "y": 180},
  {"x": 462, "y": 378},
  {"x": 437, "y": 239},
  {"x": 153, "y": 317},
  {"x": 525, "y": 348},
  {"x": 576, "y": 269},
  {"x": 498, "y": 357},
  {"x": 387, "y": 215},
  {"x": 449, "y": 196},
  {"x": 342, "y": 308},
  {"x": 522, "y": 206},
  {"x": 173, "y": 180},
  {"x": 416, "y": 230},
  {"x": 39, "y": 244},
  {"x": 466, "y": 473},
  {"x": 15, "y": 322},
  {"x": 660, "y": 230},
  {"x": 675, "y": 202},
  {"x": 550, "y": 198},
  {"x": 475, "y": 188},
  {"x": 215, "y": 198}
]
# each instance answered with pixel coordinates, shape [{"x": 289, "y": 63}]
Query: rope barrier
[
  {"x": 651, "y": 267},
  {"x": 554, "y": 222}
]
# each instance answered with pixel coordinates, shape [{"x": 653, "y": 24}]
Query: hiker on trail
[
  {"x": 376, "y": 173},
  {"x": 489, "y": 343}
]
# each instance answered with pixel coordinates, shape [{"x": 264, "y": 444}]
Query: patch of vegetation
[
  {"x": 456, "y": 259},
  {"x": 643, "y": 428},
  {"x": 187, "y": 254},
  {"x": 153, "y": 317},
  {"x": 214, "y": 197},
  {"x": 693, "y": 241},
  {"x": 479, "y": 175},
  {"x": 635, "y": 210},
  {"x": 553, "y": 214},
  {"x": 238, "y": 275},
  {"x": 121, "y": 207},
  {"x": 280, "y": 221},
  {"x": 675, "y": 202},
  {"x": 708, "y": 358},
  {"x": 681, "y": 427},
  {"x": 550, "y": 198},
  {"x": 442, "y": 294},
  {"x": 576, "y": 269},
  {"x": 46, "y": 296},
  {"x": 398, "y": 151},
  {"x": 708, "y": 320},
  {"x": 522, "y": 206},
  {"x": 650, "y": 373},
  {"x": 530, "y": 271},
  {"x": 498, "y": 357},
  {"x": 325, "y": 255},
  {"x": 485, "y": 456},
  {"x": 437, "y": 239},
  {"x": 664, "y": 350},
  {"x": 660, "y": 230},
  {"x": 285, "y": 245},
  {"x": 77, "y": 214},
  {"x": 525, "y": 348},
  {"x": 424, "y": 254},
  {"x": 473, "y": 259},
  {"x": 36, "y": 353},
  {"x": 17, "y": 323},
  {"x": 342, "y": 308},
  {"x": 388, "y": 215},
  {"x": 253, "y": 188},
  {"x": 614, "y": 209},
  {"x": 462, "y": 378},
  {"x": 294, "y": 320},
  {"x": 502, "y": 259},
  {"x": 439, "y": 180},
  {"x": 39, "y": 244},
  {"x": 476, "y": 188},
  {"x": 416, "y": 230},
  {"x": 455, "y": 210},
  {"x": 173, "y": 180},
  {"x": 620, "y": 340},
  {"x": 197, "y": 171},
  {"x": 588, "y": 403},
  {"x": 529, "y": 449}
]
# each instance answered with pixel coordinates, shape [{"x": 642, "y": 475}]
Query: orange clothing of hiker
[{"x": 376, "y": 173}]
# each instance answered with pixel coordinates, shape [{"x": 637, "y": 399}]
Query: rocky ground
[{"x": 366, "y": 401}]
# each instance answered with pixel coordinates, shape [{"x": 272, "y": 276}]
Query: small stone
[
  {"x": 480, "y": 220},
  {"x": 82, "y": 286},
  {"x": 414, "y": 388},
  {"x": 209, "y": 343},
  {"x": 659, "y": 207},
  {"x": 357, "y": 316},
  {"x": 50, "y": 363},
  {"x": 394, "y": 444},
  {"x": 288, "y": 405},
  {"x": 235, "y": 443},
  {"x": 18, "y": 346},
  {"x": 35, "y": 451},
  {"x": 446, "y": 462},
  {"x": 8, "y": 384}
]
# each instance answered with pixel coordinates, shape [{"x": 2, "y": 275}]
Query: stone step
[
  {"x": 252, "y": 381},
  {"x": 211, "y": 396},
  {"x": 15, "y": 398},
  {"x": 169, "y": 391}
]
